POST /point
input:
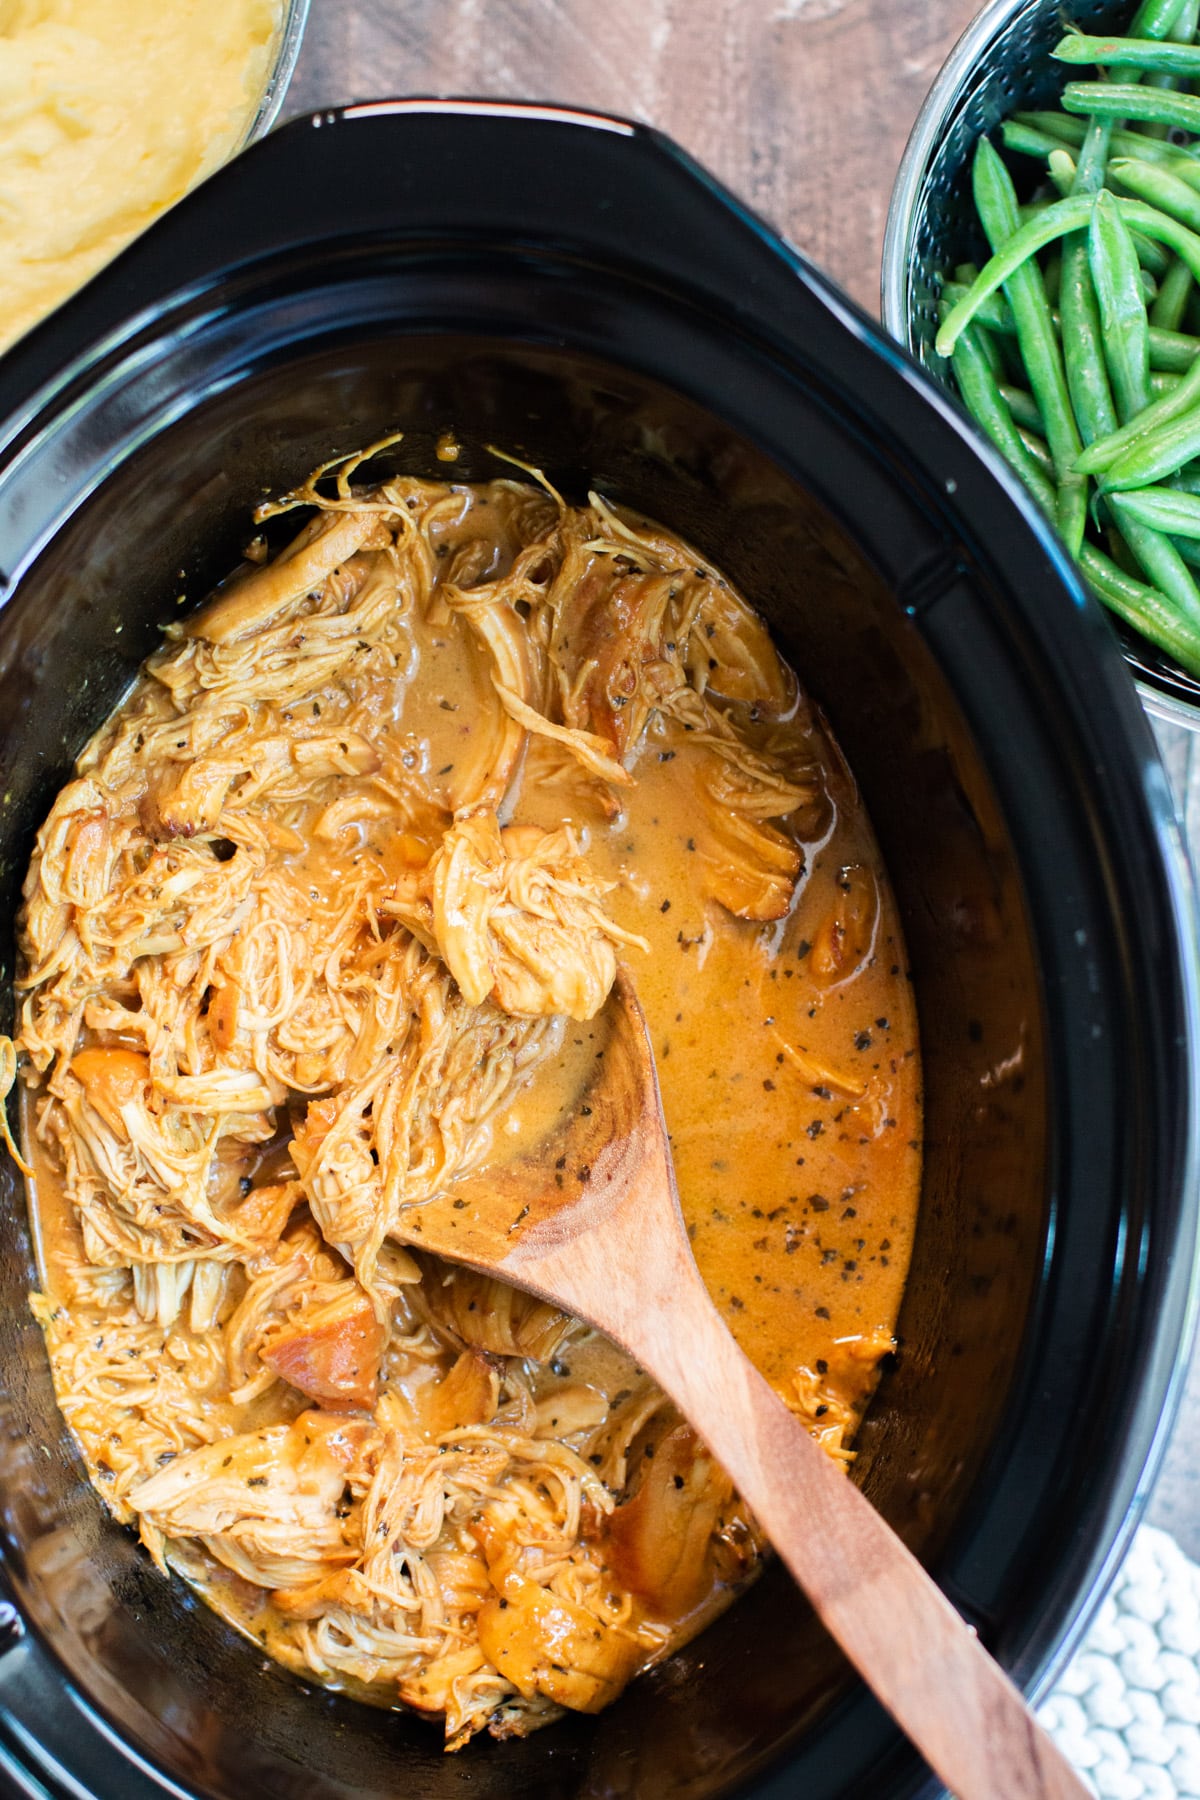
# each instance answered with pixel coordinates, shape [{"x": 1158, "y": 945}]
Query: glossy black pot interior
[{"x": 581, "y": 295}]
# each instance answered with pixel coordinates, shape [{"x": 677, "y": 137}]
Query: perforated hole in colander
[{"x": 1012, "y": 73}]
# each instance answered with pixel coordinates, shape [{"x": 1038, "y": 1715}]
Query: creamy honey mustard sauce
[
  {"x": 791, "y": 1094},
  {"x": 110, "y": 110}
]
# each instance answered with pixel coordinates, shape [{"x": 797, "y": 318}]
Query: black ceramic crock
[{"x": 577, "y": 292}]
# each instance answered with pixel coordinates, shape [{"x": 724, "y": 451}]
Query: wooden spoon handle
[
  {"x": 619, "y": 1257},
  {"x": 901, "y": 1633}
]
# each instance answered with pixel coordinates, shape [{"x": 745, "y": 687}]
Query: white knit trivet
[{"x": 1127, "y": 1710}]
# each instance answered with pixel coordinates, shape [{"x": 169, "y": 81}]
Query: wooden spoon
[{"x": 592, "y": 1223}]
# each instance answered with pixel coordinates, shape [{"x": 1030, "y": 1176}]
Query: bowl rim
[
  {"x": 1159, "y": 697},
  {"x": 293, "y": 23}
]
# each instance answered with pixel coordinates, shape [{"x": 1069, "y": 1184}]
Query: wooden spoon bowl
[{"x": 592, "y": 1223}]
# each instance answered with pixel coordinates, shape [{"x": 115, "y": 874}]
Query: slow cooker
[{"x": 575, "y": 292}]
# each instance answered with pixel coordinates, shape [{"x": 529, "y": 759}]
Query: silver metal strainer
[{"x": 1000, "y": 65}]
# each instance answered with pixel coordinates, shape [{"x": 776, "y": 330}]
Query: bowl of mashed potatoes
[{"x": 110, "y": 111}]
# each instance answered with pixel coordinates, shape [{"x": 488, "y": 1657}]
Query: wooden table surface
[{"x": 802, "y": 107}]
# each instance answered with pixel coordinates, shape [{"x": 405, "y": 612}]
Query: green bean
[
  {"x": 1062, "y": 170},
  {"x": 991, "y": 353},
  {"x": 983, "y": 400},
  {"x": 1052, "y": 275},
  {"x": 1039, "y": 450},
  {"x": 1160, "y": 561},
  {"x": 1120, "y": 552},
  {"x": 1057, "y": 219},
  {"x": 1161, "y": 383},
  {"x": 994, "y": 313},
  {"x": 1026, "y": 141},
  {"x": 1054, "y": 221},
  {"x": 1083, "y": 344},
  {"x": 1153, "y": 258},
  {"x": 1190, "y": 552},
  {"x": 1126, "y": 100},
  {"x": 1092, "y": 161},
  {"x": 1062, "y": 129},
  {"x": 1133, "y": 143},
  {"x": 1183, "y": 168},
  {"x": 1165, "y": 509},
  {"x": 1187, "y": 479},
  {"x": 1155, "y": 18},
  {"x": 1023, "y": 407},
  {"x": 1183, "y": 31},
  {"x": 1107, "y": 450},
  {"x": 1088, "y": 176},
  {"x": 1079, "y": 322},
  {"x": 1130, "y": 53},
  {"x": 1173, "y": 352},
  {"x": 1141, "y": 607},
  {"x": 996, "y": 204},
  {"x": 1158, "y": 187},
  {"x": 1155, "y": 453},
  {"x": 1156, "y": 131},
  {"x": 1124, "y": 326},
  {"x": 1167, "y": 310}
]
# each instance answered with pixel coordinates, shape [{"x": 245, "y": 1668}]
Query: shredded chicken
[
  {"x": 286, "y": 963},
  {"x": 517, "y": 918}
]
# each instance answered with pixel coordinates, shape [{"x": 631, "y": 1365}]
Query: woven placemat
[{"x": 1127, "y": 1710}]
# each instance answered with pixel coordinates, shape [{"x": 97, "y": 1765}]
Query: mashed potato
[{"x": 109, "y": 111}]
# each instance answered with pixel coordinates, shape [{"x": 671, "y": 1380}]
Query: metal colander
[{"x": 1000, "y": 65}]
